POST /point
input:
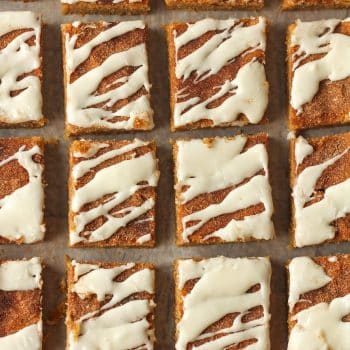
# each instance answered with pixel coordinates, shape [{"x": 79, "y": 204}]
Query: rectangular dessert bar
[
  {"x": 112, "y": 193},
  {"x": 319, "y": 302},
  {"x": 314, "y": 4},
  {"x": 21, "y": 304},
  {"x": 106, "y": 77},
  {"x": 217, "y": 73},
  {"x": 320, "y": 183},
  {"x": 21, "y": 190},
  {"x": 215, "y": 4},
  {"x": 222, "y": 303},
  {"x": 318, "y": 73},
  {"x": 222, "y": 190},
  {"x": 110, "y": 305},
  {"x": 108, "y": 7},
  {"x": 21, "y": 69}
]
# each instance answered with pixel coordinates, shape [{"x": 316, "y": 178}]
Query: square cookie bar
[
  {"x": 214, "y": 4},
  {"x": 320, "y": 182},
  {"x": 110, "y": 305},
  {"x": 108, "y": 7},
  {"x": 21, "y": 190},
  {"x": 21, "y": 304},
  {"x": 217, "y": 73},
  {"x": 21, "y": 69},
  {"x": 314, "y": 4},
  {"x": 106, "y": 77},
  {"x": 319, "y": 299},
  {"x": 222, "y": 303},
  {"x": 318, "y": 73},
  {"x": 112, "y": 193},
  {"x": 222, "y": 190}
]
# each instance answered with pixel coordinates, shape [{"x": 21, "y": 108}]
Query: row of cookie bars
[
  {"x": 216, "y": 69},
  {"x": 220, "y": 303},
  {"x": 142, "y": 6},
  {"x": 112, "y": 191}
]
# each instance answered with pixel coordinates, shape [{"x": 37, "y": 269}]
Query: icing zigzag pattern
[
  {"x": 113, "y": 187},
  {"x": 20, "y": 85},
  {"x": 219, "y": 71},
  {"x": 224, "y": 304},
  {"x": 208, "y": 197},
  {"x": 124, "y": 316},
  {"x": 314, "y": 214},
  {"x": 107, "y": 76}
]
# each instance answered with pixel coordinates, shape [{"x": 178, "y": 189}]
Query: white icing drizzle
[
  {"x": 304, "y": 276},
  {"x": 231, "y": 40},
  {"x": 313, "y": 223},
  {"x": 20, "y": 275},
  {"x": 143, "y": 239},
  {"x": 291, "y": 135},
  {"x": 113, "y": 326},
  {"x": 228, "y": 167},
  {"x": 318, "y": 37},
  {"x": 81, "y": 94},
  {"x": 302, "y": 150},
  {"x": 28, "y": 338},
  {"x": 321, "y": 327},
  {"x": 21, "y": 212},
  {"x": 333, "y": 259},
  {"x": 127, "y": 176},
  {"x": 16, "y": 59},
  {"x": 221, "y": 290}
]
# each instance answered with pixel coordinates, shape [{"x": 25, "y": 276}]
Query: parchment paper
[{"x": 54, "y": 248}]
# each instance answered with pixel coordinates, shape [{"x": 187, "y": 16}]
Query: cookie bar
[
  {"x": 320, "y": 182},
  {"x": 222, "y": 303},
  {"x": 106, "y": 77},
  {"x": 110, "y": 305},
  {"x": 112, "y": 193},
  {"x": 319, "y": 299},
  {"x": 222, "y": 190},
  {"x": 215, "y": 4},
  {"x": 318, "y": 73},
  {"x": 217, "y": 73},
  {"x": 21, "y": 69},
  {"x": 21, "y": 190},
  {"x": 108, "y": 7},
  {"x": 314, "y": 4},
  {"x": 21, "y": 304}
]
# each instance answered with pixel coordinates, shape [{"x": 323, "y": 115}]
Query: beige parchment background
[{"x": 54, "y": 248}]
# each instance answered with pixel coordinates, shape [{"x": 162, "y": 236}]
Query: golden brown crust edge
[
  {"x": 292, "y": 166},
  {"x": 288, "y": 5},
  {"x": 109, "y": 9},
  {"x": 289, "y": 72},
  {"x": 197, "y": 5}
]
